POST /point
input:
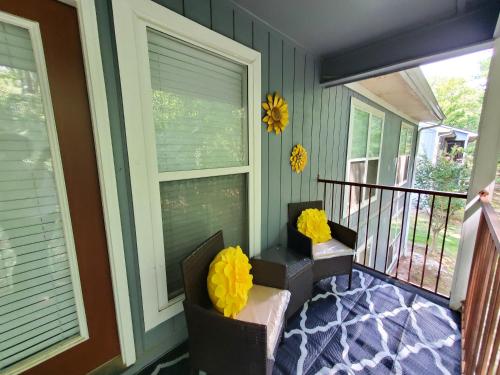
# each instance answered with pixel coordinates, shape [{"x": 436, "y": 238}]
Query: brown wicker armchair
[
  {"x": 338, "y": 265},
  {"x": 220, "y": 345}
]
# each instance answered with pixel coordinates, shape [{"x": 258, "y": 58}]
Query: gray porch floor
[{"x": 374, "y": 328}]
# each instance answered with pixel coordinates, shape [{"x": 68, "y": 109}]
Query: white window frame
[
  {"x": 96, "y": 89},
  {"x": 131, "y": 17},
  {"x": 36, "y": 40},
  {"x": 372, "y": 111},
  {"x": 405, "y": 181}
]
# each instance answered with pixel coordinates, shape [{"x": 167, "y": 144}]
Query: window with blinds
[
  {"x": 199, "y": 107},
  {"x": 200, "y": 122},
  {"x": 38, "y": 307},
  {"x": 365, "y": 145}
]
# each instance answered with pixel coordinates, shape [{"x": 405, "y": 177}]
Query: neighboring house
[{"x": 435, "y": 140}]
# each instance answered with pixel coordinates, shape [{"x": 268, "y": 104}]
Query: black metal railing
[{"x": 423, "y": 218}]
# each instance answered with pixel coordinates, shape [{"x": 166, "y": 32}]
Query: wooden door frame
[{"x": 87, "y": 23}]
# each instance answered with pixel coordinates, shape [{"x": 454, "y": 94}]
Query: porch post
[{"x": 483, "y": 177}]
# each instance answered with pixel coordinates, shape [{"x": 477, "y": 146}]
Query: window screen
[
  {"x": 199, "y": 106},
  {"x": 193, "y": 210},
  {"x": 404, "y": 154},
  {"x": 359, "y": 133}
]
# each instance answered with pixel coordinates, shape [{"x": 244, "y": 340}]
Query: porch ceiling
[
  {"x": 357, "y": 36},
  {"x": 324, "y": 26}
]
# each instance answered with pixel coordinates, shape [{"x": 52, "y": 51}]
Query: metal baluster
[
  {"x": 333, "y": 199},
  {"x": 389, "y": 233},
  {"x": 341, "y": 203},
  {"x": 367, "y": 224},
  {"x": 442, "y": 246},
  {"x": 401, "y": 238},
  {"x": 427, "y": 242},
  {"x": 359, "y": 214},
  {"x": 324, "y": 194},
  {"x": 413, "y": 240},
  {"x": 349, "y": 209},
  {"x": 378, "y": 228}
]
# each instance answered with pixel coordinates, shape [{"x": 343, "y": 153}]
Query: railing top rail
[
  {"x": 492, "y": 220},
  {"x": 397, "y": 188}
]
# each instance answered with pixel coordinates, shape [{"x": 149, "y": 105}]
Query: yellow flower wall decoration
[
  {"x": 276, "y": 116},
  {"x": 314, "y": 224},
  {"x": 298, "y": 160},
  {"x": 229, "y": 281}
]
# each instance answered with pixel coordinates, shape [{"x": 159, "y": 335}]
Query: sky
[{"x": 466, "y": 66}]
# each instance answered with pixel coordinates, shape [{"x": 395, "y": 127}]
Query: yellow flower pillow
[
  {"x": 229, "y": 281},
  {"x": 314, "y": 224}
]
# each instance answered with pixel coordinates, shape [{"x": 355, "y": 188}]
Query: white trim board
[
  {"x": 131, "y": 20},
  {"x": 360, "y": 89},
  {"x": 106, "y": 168}
]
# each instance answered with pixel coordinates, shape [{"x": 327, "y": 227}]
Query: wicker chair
[
  {"x": 220, "y": 345},
  {"x": 322, "y": 268}
]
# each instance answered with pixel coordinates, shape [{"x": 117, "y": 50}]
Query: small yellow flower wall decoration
[
  {"x": 298, "y": 160},
  {"x": 276, "y": 116},
  {"x": 229, "y": 280}
]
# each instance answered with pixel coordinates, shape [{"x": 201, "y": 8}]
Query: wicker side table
[{"x": 299, "y": 273}]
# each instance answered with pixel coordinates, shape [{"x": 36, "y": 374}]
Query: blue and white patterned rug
[{"x": 374, "y": 328}]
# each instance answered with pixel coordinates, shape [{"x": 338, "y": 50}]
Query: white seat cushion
[
  {"x": 330, "y": 249},
  {"x": 266, "y": 306}
]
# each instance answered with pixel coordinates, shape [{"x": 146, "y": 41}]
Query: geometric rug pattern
[{"x": 374, "y": 328}]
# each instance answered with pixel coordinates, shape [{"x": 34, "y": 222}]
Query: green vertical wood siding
[{"x": 319, "y": 120}]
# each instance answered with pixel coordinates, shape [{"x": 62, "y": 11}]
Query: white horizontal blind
[
  {"x": 193, "y": 210},
  {"x": 199, "y": 106},
  {"x": 15, "y": 48},
  {"x": 37, "y": 303}
]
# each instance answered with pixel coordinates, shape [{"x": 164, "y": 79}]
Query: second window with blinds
[
  {"x": 366, "y": 127},
  {"x": 194, "y": 149}
]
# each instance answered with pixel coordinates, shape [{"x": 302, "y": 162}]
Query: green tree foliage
[
  {"x": 461, "y": 102},
  {"x": 462, "y": 99},
  {"x": 447, "y": 174}
]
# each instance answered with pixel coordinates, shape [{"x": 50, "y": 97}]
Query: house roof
[
  {"x": 448, "y": 127},
  {"x": 408, "y": 92},
  {"x": 458, "y": 133}
]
